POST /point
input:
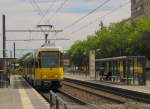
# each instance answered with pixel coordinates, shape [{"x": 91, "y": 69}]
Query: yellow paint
[
  {"x": 49, "y": 73},
  {"x": 121, "y": 67},
  {"x": 137, "y": 69},
  {"x": 121, "y": 70},
  {"x": 26, "y": 102}
]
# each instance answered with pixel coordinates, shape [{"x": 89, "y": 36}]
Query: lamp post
[
  {"x": 128, "y": 63},
  {"x": 4, "y": 37},
  {"x": 14, "y": 50}
]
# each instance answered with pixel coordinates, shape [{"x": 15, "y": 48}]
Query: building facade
[{"x": 140, "y": 8}]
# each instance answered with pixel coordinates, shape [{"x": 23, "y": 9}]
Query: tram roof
[
  {"x": 49, "y": 49},
  {"x": 119, "y": 58}
]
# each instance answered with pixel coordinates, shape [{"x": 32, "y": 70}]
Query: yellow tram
[{"x": 44, "y": 67}]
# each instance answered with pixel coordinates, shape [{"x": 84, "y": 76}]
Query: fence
[{"x": 56, "y": 102}]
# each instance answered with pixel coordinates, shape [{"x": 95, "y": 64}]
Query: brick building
[{"x": 140, "y": 8}]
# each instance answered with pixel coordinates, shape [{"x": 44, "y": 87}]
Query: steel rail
[
  {"x": 135, "y": 95},
  {"x": 114, "y": 99},
  {"x": 72, "y": 97},
  {"x": 78, "y": 100},
  {"x": 69, "y": 96}
]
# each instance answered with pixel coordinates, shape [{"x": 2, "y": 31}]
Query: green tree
[{"x": 123, "y": 38}]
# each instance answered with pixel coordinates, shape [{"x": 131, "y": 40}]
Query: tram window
[{"x": 49, "y": 59}]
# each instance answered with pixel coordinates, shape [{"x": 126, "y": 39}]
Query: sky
[{"x": 27, "y": 14}]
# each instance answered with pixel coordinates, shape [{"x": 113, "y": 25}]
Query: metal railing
[{"x": 56, "y": 102}]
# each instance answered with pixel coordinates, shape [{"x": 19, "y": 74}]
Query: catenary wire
[
  {"x": 38, "y": 7},
  {"x": 107, "y": 14},
  {"x": 58, "y": 9},
  {"x": 81, "y": 18},
  {"x": 47, "y": 11}
]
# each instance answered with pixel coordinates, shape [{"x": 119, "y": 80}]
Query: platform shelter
[{"x": 128, "y": 70}]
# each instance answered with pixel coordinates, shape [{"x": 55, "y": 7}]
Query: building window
[{"x": 146, "y": 3}]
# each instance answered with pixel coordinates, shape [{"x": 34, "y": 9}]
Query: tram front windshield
[{"x": 49, "y": 59}]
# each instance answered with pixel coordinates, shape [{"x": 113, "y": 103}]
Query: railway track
[
  {"x": 91, "y": 95},
  {"x": 68, "y": 97},
  {"x": 64, "y": 100},
  {"x": 81, "y": 102},
  {"x": 122, "y": 94}
]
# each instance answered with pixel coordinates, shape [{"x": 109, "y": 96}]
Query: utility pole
[
  {"x": 4, "y": 37},
  {"x": 14, "y": 50},
  {"x": 46, "y": 36},
  {"x": 14, "y": 45}
]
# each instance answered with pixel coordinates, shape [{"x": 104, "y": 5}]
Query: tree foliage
[{"x": 118, "y": 39}]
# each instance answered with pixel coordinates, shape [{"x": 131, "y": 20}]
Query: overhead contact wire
[
  {"x": 80, "y": 19},
  {"x": 85, "y": 26},
  {"x": 58, "y": 9},
  {"x": 46, "y": 13}
]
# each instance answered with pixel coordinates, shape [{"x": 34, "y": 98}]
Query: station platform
[
  {"x": 142, "y": 89},
  {"x": 20, "y": 95}
]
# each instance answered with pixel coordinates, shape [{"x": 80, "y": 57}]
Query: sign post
[{"x": 92, "y": 64}]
